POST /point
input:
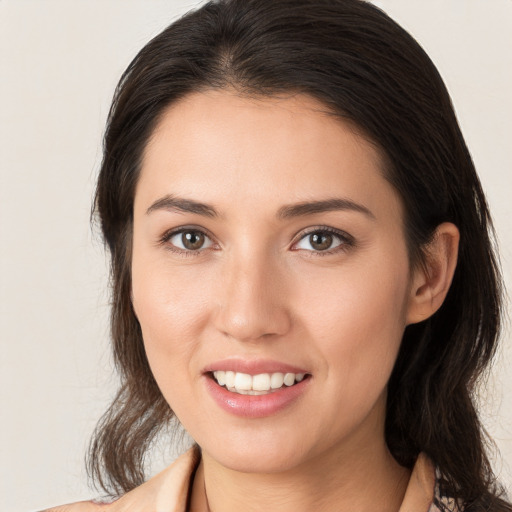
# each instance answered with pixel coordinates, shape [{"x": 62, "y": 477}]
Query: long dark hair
[{"x": 364, "y": 68}]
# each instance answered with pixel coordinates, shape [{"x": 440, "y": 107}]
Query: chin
[
  {"x": 263, "y": 452},
  {"x": 259, "y": 461}
]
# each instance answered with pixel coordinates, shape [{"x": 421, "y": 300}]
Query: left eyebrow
[{"x": 313, "y": 207}]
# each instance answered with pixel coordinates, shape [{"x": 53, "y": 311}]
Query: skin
[{"x": 258, "y": 289}]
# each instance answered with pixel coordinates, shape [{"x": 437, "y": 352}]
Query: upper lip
[{"x": 253, "y": 367}]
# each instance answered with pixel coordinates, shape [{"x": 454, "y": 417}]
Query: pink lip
[
  {"x": 254, "y": 406},
  {"x": 254, "y": 367}
]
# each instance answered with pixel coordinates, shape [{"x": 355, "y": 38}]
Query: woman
[{"x": 301, "y": 265}]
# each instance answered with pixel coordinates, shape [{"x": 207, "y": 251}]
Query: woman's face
[{"x": 267, "y": 242}]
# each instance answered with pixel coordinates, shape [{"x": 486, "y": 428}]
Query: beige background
[{"x": 59, "y": 62}]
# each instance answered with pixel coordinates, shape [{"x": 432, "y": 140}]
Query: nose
[{"x": 251, "y": 300}]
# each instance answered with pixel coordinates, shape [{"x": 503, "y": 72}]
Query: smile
[
  {"x": 255, "y": 389},
  {"x": 261, "y": 384}
]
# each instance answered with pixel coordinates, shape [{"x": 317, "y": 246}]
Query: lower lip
[{"x": 255, "y": 406}]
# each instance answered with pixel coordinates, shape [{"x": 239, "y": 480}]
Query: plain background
[{"x": 59, "y": 63}]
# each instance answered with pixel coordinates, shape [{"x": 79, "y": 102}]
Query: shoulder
[{"x": 171, "y": 486}]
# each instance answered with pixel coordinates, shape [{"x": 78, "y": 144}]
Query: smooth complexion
[{"x": 266, "y": 237}]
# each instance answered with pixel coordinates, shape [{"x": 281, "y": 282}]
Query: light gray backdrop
[{"x": 59, "y": 62}]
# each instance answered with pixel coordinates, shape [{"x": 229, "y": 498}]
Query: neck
[{"x": 340, "y": 480}]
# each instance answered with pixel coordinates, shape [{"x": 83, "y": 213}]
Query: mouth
[
  {"x": 260, "y": 384},
  {"x": 253, "y": 389}
]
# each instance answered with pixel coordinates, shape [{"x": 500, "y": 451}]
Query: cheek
[
  {"x": 164, "y": 296},
  {"x": 355, "y": 301},
  {"x": 358, "y": 317},
  {"x": 171, "y": 308},
  {"x": 169, "y": 312}
]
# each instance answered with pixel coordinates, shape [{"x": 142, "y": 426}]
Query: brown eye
[
  {"x": 190, "y": 240},
  {"x": 320, "y": 241},
  {"x": 323, "y": 240}
]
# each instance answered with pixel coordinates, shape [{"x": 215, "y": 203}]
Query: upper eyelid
[
  {"x": 176, "y": 231},
  {"x": 318, "y": 229}
]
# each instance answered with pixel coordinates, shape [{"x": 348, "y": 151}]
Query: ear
[{"x": 432, "y": 279}]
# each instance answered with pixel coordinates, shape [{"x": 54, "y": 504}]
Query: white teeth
[
  {"x": 247, "y": 392},
  {"x": 276, "y": 380},
  {"x": 230, "y": 379},
  {"x": 289, "y": 379},
  {"x": 260, "y": 384},
  {"x": 221, "y": 377},
  {"x": 243, "y": 381}
]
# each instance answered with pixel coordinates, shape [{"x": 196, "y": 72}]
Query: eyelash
[
  {"x": 346, "y": 240},
  {"x": 166, "y": 237}
]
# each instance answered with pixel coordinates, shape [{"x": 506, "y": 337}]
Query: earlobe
[{"x": 431, "y": 280}]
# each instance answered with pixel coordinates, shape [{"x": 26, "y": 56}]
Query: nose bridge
[{"x": 251, "y": 303}]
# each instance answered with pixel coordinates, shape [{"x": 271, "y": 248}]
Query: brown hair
[{"x": 365, "y": 68}]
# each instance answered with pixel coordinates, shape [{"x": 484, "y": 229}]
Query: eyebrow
[
  {"x": 313, "y": 207},
  {"x": 182, "y": 205}
]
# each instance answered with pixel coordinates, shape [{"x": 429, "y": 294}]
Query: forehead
[{"x": 215, "y": 145}]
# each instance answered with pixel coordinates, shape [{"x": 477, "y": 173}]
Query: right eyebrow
[{"x": 180, "y": 205}]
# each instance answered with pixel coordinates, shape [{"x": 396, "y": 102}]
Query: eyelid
[
  {"x": 165, "y": 238},
  {"x": 347, "y": 240}
]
